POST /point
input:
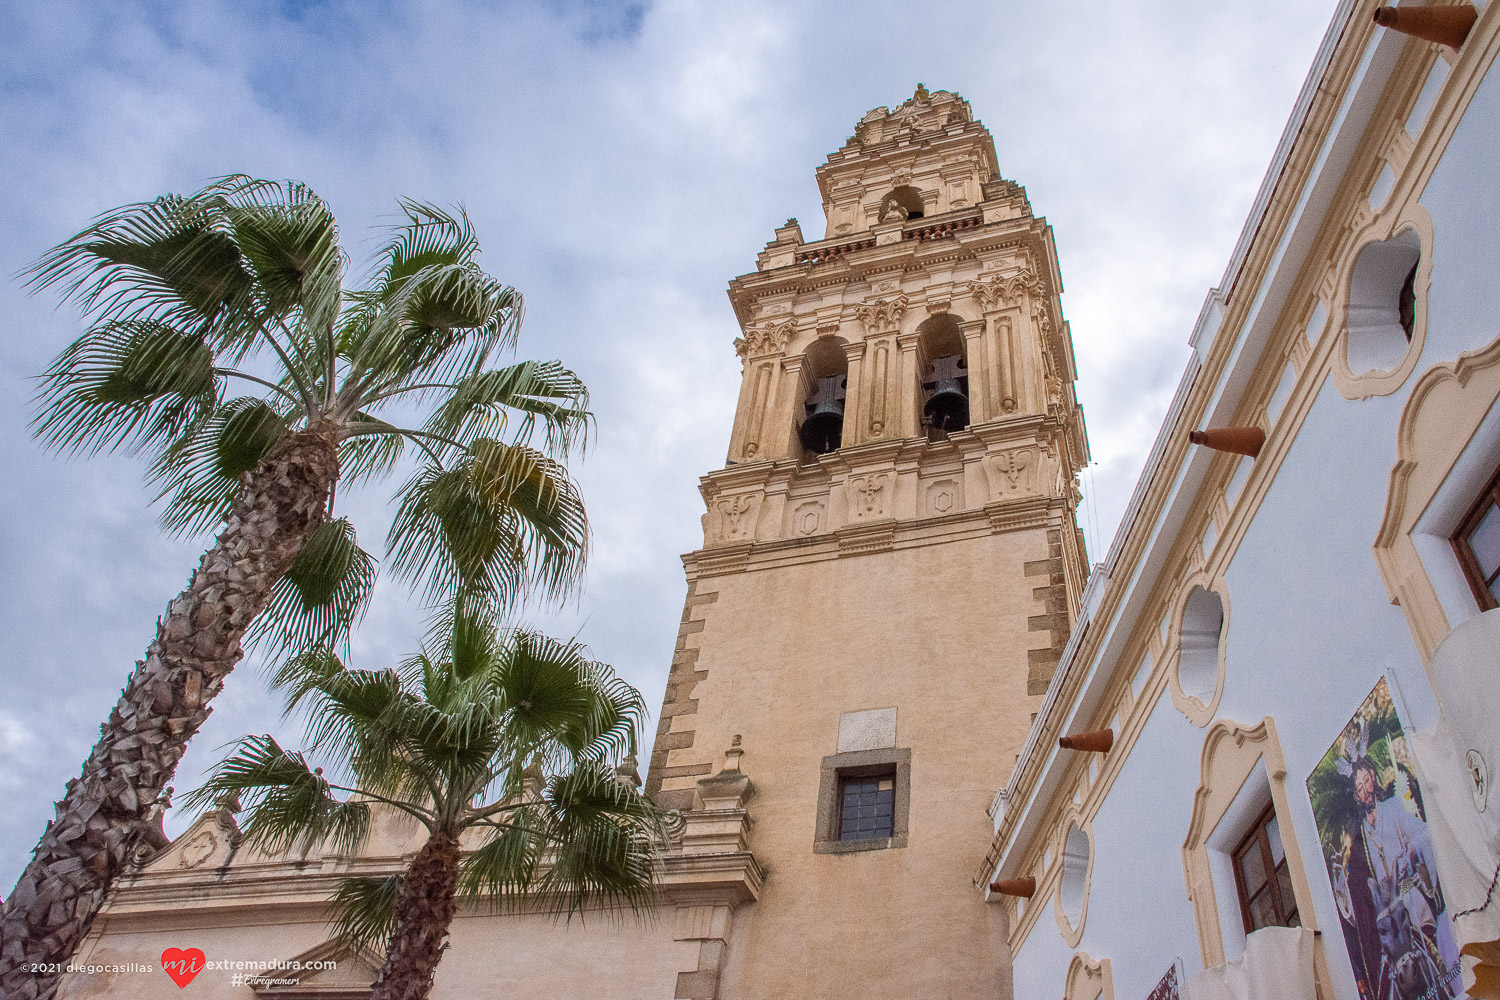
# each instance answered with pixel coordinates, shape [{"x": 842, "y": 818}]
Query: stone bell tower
[{"x": 890, "y": 567}]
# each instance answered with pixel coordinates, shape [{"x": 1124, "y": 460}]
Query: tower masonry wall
[{"x": 939, "y": 633}]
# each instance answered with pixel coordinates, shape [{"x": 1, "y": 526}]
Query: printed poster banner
[
  {"x": 1167, "y": 988},
  {"x": 1371, "y": 825}
]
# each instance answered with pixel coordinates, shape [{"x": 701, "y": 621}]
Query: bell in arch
[
  {"x": 823, "y": 429},
  {"x": 947, "y": 407}
]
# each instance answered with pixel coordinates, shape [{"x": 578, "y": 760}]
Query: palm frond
[
  {"x": 169, "y": 260},
  {"x": 131, "y": 383},
  {"x": 200, "y": 472},
  {"x": 542, "y": 391},
  {"x": 303, "y": 673},
  {"x": 365, "y": 910},
  {"x": 440, "y": 323},
  {"x": 430, "y": 236},
  {"x": 505, "y": 868},
  {"x": 290, "y": 242},
  {"x": 369, "y": 456},
  {"x": 285, "y": 804},
  {"x": 504, "y": 518},
  {"x": 605, "y": 837},
  {"x": 323, "y": 595}
]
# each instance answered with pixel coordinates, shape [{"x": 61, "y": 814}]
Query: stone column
[
  {"x": 909, "y": 399},
  {"x": 760, "y": 375},
  {"x": 855, "y": 390},
  {"x": 977, "y": 350},
  {"x": 785, "y": 412},
  {"x": 707, "y": 924},
  {"x": 883, "y": 420}
]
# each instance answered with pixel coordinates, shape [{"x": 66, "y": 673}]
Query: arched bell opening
[
  {"x": 944, "y": 365},
  {"x": 825, "y": 378},
  {"x": 904, "y": 202}
]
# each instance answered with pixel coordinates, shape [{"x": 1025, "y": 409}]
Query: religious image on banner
[
  {"x": 1371, "y": 825},
  {"x": 1167, "y": 988}
]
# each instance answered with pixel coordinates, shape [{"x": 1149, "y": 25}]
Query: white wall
[{"x": 1311, "y": 628}]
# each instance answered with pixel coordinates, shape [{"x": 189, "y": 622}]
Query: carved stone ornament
[
  {"x": 995, "y": 293},
  {"x": 868, "y": 496},
  {"x": 735, "y": 518},
  {"x": 769, "y": 338},
  {"x": 198, "y": 850},
  {"x": 1012, "y": 472},
  {"x": 808, "y": 518},
  {"x": 881, "y": 315}
]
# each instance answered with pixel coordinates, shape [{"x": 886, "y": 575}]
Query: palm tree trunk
[
  {"x": 101, "y": 823},
  {"x": 424, "y": 909}
]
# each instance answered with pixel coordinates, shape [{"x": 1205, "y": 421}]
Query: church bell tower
[{"x": 889, "y": 570}]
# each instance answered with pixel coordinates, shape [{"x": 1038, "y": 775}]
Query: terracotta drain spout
[
  {"x": 1237, "y": 440},
  {"x": 1445, "y": 25},
  {"x": 1023, "y": 887},
  {"x": 1096, "y": 741}
]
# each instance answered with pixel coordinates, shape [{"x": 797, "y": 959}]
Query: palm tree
[
  {"x": 506, "y": 741},
  {"x": 223, "y": 346}
]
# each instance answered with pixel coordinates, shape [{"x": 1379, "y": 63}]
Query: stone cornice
[
  {"x": 878, "y": 536},
  {"x": 290, "y": 891}
]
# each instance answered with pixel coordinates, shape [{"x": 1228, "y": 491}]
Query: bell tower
[{"x": 890, "y": 567}]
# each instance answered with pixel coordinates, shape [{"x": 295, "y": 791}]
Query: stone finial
[
  {"x": 532, "y": 780},
  {"x": 733, "y": 754},
  {"x": 628, "y": 772},
  {"x": 731, "y": 788}
]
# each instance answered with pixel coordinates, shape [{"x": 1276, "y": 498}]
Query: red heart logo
[{"x": 182, "y": 965}]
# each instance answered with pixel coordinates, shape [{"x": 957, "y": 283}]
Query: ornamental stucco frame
[
  {"x": 1229, "y": 758},
  {"x": 1446, "y": 407},
  {"x": 1071, "y": 933},
  {"x": 1195, "y": 709},
  {"x": 1385, "y": 226},
  {"x": 1088, "y": 979}
]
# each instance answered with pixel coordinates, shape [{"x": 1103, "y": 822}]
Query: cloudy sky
[{"x": 622, "y": 161}]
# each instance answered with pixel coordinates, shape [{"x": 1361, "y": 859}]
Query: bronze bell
[
  {"x": 947, "y": 407},
  {"x": 823, "y": 429}
]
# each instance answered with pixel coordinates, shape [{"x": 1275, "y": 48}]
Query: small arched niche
[
  {"x": 1199, "y": 642},
  {"x": 825, "y": 378},
  {"x": 904, "y": 202},
  {"x": 1073, "y": 887},
  {"x": 1383, "y": 303},
  {"x": 943, "y": 364}
]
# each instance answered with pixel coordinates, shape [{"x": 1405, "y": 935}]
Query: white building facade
[{"x": 1292, "y": 652}]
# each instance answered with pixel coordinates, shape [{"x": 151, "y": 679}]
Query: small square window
[
  {"x": 863, "y": 800},
  {"x": 867, "y": 806},
  {"x": 1477, "y": 545},
  {"x": 1263, "y": 878}
]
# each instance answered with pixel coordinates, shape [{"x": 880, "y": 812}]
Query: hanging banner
[
  {"x": 1368, "y": 808},
  {"x": 1167, "y": 989}
]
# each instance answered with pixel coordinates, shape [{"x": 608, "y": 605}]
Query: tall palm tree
[
  {"x": 223, "y": 346},
  {"x": 508, "y": 742}
]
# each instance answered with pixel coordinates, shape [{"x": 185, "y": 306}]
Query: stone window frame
[
  {"x": 1447, "y": 442},
  {"x": 1088, "y": 979},
  {"x": 1240, "y": 764},
  {"x": 855, "y": 764},
  {"x": 1387, "y": 225},
  {"x": 1257, "y": 839},
  {"x": 1487, "y": 499},
  {"x": 1198, "y": 711},
  {"x": 1072, "y": 819}
]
